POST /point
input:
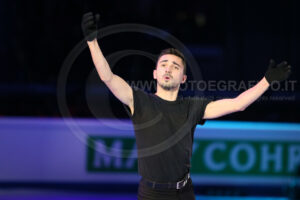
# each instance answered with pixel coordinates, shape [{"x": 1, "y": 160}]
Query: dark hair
[{"x": 175, "y": 52}]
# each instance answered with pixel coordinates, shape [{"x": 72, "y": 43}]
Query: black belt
[{"x": 178, "y": 185}]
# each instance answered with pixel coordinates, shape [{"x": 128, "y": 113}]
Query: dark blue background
[{"x": 231, "y": 40}]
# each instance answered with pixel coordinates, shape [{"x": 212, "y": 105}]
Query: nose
[{"x": 167, "y": 68}]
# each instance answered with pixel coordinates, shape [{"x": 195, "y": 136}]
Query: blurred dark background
[{"x": 231, "y": 40}]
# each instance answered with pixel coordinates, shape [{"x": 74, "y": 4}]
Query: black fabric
[{"x": 164, "y": 133}]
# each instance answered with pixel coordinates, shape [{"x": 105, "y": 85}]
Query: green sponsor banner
[
  {"x": 245, "y": 157},
  {"x": 111, "y": 154},
  {"x": 210, "y": 156}
]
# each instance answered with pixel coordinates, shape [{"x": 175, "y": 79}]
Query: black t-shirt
[{"x": 164, "y": 132}]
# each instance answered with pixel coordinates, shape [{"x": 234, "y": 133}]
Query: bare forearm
[
  {"x": 223, "y": 107},
  {"x": 249, "y": 96},
  {"x": 100, "y": 62}
]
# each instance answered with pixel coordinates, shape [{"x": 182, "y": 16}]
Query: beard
[{"x": 168, "y": 86}]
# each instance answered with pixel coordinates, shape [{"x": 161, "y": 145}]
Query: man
[{"x": 164, "y": 124}]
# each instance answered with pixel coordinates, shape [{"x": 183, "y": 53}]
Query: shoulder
[
  {"x": 138, "y": 90},
  {"x": 140, "y": 102},
  {"x": 197, "y": 108},
  {"x": 199, "y": 100}
]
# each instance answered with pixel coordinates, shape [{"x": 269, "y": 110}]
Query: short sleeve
[
  {"x": 197, "y": 109},
  {"x": 139, "y": 99}
]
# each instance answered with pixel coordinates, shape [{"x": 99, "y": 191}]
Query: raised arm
[
  {"x": 223, "y": 107},
  {"x": 116, "y": 85}
]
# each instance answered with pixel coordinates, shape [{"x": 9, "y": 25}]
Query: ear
[
  {"x": 154, "y": 74},
  {"x": 184, "y": 78}
]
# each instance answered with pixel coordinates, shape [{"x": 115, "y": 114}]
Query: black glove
[
  {"x": 89, "y": 25},
  {"x": 278, "y": 72}
]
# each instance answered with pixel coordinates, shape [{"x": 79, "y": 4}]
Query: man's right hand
[{"x": 89, "y": 25}]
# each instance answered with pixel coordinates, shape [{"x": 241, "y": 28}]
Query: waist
[{"x": 169, "y": 185}]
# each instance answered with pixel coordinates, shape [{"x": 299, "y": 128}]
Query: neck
[{"x": 169, "y": 95}]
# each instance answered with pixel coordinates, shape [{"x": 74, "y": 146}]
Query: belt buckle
[
  {"x": 184, "y": 183},
  {"x": 177, "y": 185},
  {"x": 180, "y": 184}
]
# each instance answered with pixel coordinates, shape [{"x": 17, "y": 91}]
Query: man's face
[{"x": 169, "y": 72}]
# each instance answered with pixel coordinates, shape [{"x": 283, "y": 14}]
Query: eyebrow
[{"x": 175, "y": 63}]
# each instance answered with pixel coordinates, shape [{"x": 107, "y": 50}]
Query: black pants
[{"x": 147, "y": 193}]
